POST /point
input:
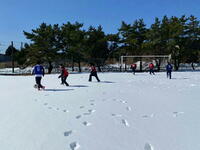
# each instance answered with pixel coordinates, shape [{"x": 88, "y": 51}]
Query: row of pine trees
[{"x": 178, "y": 36}]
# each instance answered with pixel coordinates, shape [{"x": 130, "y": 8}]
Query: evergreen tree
[
  {"x": 133, "y": 38},
  {"x": 44, "y": 44},
  {"x": 11, "y": 50},
  {"x": 72, "y": 39},
  {"x": 21, "y": 56},
  {"x": 192, "y": 42},
  {"x": 96, "y": 46},
  {"x": 154, "y": 42}
]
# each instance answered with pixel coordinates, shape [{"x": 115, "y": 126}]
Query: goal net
[{"x": 143, "y": 62}]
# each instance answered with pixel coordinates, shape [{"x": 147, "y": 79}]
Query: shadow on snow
[
  {"x": 58, "y": 90},
  {"x": 78, "y": 86},
  {"x": 106, "y": 82},
  {"x": 179, "y": 78}
]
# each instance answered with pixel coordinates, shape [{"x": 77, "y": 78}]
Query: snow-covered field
[{"x": 122, "y": 112}]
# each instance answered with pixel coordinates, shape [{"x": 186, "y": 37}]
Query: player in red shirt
[
  {"x": 93, "y": 73},
  {"x": 133, "y": 67},
  {"x": 151, "y": 68},
  {"x": 64, "y": 74}
]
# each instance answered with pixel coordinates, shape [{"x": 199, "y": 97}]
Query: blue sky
[{"x": 19, "y": 15}]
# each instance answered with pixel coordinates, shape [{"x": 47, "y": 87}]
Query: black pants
[
  {"x": 151, "y": 71},
  {"x": 133, "y": 70},
  {"x": 95, "y": 75},
  {"x": 38, "y": 82},
  {"x": 169, "y": 74},
  {"x": 63, "y": 81}
]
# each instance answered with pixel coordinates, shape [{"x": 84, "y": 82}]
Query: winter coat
[
  {"x": 151, "y": 66},
  {"x": 169, "y": 67},
  {"x": 64, "y": 72},
  {"x": 38, "y": 70},
  {"x": 133, "y": 66}
]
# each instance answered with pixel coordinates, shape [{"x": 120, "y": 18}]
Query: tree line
[{"x": 178, "y": 36}]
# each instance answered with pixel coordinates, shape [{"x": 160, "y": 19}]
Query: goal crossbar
[
  {"x": 168, "y": 57},
  {"x": 147, "y": 56}
]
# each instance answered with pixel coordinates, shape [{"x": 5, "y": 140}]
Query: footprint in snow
[
  {"x": 92, "y": 100},
  {"x": 49, "y": 107},
  {"x": 176, "y": 114},
  {"x": 92, "y": 104},
  {"x": 88, "y": 113},
  {"x": 68, "y": 133},
  {"x": 45, "y": 103},
  {"x": 148, "y": 146},
  {"x": 125, "y": 122},
  {"x": 74, "y": 146},
  {"x": 123, "y": 102},
  {"x": 148, "y": 116},
  {"x": 81, "y": 107},
  {"x": 91, "y": 110},
  {"x": 65, "y": 110},
  {"x": 145, "y": 116},
  {"x": 128, "y": 108},
  {"x": 87, "y": 123},
  {"x": 78, "y": 117},
  {"x": 116, "y": 115}
]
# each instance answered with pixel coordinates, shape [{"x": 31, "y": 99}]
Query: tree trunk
[
  {"x": 193, "y": 68},
  {"x": 158, "y": 64},
  {"x": 140, "y": 65},
  {"x": 50, "y": 68},
  {"x": 176, "y": 64},
  {"x": 79, "y": 66},
  {"x": 72, "y": 65}
]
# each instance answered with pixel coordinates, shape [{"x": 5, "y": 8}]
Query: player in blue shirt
[
  {"x": 169, "y": 68},
  {"x": 38, "y": 71}
]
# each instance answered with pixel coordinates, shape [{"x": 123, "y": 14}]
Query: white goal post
[{"x": 143, "y": 59}]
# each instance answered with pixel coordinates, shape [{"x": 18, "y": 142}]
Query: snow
[{"x": 122, "y": 112}]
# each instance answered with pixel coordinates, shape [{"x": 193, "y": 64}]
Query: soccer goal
[{"x": 143, "y": 61}]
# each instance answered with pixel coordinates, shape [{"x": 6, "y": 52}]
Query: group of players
[
  {"x": 39, "y": 72},
  {"x": 169, "y": 69}
]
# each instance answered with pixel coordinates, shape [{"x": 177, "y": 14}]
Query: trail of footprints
[
  {"x": 75, "y": 145},
  {"x": 128, "y": 108},
  {"x": 53, "y": 107}
]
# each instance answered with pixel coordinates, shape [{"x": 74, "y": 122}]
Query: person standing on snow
[
  {"x": 151, "y": 68},
  {"x": 133, "y": 67},
  {"x": 38, "y": 71},
  {"x": 169, "y": 68},
  {"x": 93, "y": 72},
  {"x": 64, "y": 74}
]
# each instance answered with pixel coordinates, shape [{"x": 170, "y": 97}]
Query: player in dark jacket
[
  {"x": 64, "y": 74},
  {"x": 169, "y": 68},
  {"x": 38, "y": 71},
  {"x": 93, "y": 73}
]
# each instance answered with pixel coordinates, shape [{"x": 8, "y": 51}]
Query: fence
[{"x": 111, "y": 65}]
